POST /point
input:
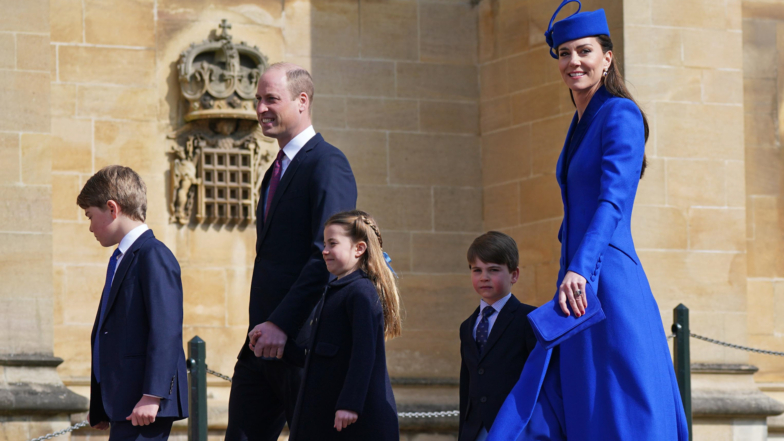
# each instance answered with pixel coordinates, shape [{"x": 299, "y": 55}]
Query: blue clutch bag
[{"x": 552, "y": 327}]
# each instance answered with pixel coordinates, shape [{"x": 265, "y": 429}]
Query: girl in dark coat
[{"x": 346, "y": 393}]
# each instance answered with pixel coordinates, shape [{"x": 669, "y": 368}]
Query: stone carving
[{"x": 219, "y": 154}]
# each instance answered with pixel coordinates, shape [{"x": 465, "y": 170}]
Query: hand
[
  {"x": 145, "y": 411},
  {"x": 343, "y": 418},
  {"x": 254, "y": 335},
  {"x": 103, "y": 425},
  {"x": 569, "y": 286},
  {"x": 270, "y": 342}
]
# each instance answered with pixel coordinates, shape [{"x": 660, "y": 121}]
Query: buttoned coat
[
  {"x": 346, "y": 367},
  {"x": 289, "y": 273},
  {"x": 141, "y": 336},
  {"x": 615, "y": 380},
  {"x": 487, "y": 378}
]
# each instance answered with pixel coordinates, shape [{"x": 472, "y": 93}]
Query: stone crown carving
[{"x": 219, "y": 77}]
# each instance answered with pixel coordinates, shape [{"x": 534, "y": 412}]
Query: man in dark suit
[
  {"x": 496, "y": 340},
  {"x": 309, "y": 181},
  {"x": 138, "y": 383}
]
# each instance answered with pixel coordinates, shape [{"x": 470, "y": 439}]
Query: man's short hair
[
  {"x": 119, "y": 184},
  {"x": 494, "y": 247},
  {"x": 298, "y": 80}
]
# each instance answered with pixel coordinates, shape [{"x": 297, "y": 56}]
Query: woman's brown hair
[
  {"x": 361, "y": 227},
  {"x": 616, "y": 86}
]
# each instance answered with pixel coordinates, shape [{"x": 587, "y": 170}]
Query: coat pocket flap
[{"x": 326, "y": 349}]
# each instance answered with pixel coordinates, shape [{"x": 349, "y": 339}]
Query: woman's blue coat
[{"x": 615, "y": 380}]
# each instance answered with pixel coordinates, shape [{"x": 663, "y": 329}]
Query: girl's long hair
[
  {"x": 361, "y": 227},
  {"x": 616, "y": 86}
]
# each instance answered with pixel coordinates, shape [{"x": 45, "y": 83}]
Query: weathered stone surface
[
  {"x": 446, "y": 117},
  {"x": 7, "y": 51},
  {"x": 398, "y": 207},
  {"x": 354, "y": 77},
  {"x": 26, "y": 209},
  {"x": 501, "y": 204},
  {"x": 389, "y": 29},
  {"x": 495, "y": 114},
  {"x": 67, "y": 28},
  {"x": 134, "y": 103},
  {"x": 128, "y": 67},
  {"x": 457, "y": 209},
  {"x": 120, "y": 22},
  {"x": 447, "y": 33},
  {"x": 505, "y": 156},
  {"x": 382, "y": 114},
  {"x": 366, "y": 152},
  {"x": 411, "y": 159},
  {"x": 540, "y": 198},
  {"x": 9, "y": 158},
  {"x": 71, "y": 145},
  {"x": 25, "y": 97},
  {"x": 437, "y": 81},
  {"x": 330, "y": 112},
  {"x": 32, "y": 52},
  {"x": 32, "y": 16},
  {"x": 334, "y": 27},
  {"x": 694, "y": 130},
  {"x": 36, "y": 159},
  {"x": 722, "y": 403}
]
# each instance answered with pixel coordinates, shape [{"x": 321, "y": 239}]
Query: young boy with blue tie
[
  {"x": 496, "y": 340},
  {"x": 139, "y": 385}
]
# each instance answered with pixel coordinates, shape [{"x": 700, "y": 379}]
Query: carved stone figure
[{"x": 219, "y": 154}]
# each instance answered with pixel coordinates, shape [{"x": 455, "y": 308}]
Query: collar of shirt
[
  {"x": 498, "y": 306},
  {"x": 295, "y": 145},
  {"x": 131, "y": 237}
]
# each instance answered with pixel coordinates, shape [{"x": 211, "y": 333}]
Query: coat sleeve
[
  {"x": 623, "y": 147},
  {"x": 366, "y": 322},
  {"x": 332, "y": 190},
  {"x": 464, "y": 381},
  {"x": 161, "y": 286}
]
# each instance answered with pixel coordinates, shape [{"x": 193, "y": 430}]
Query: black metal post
[
  {"x": 197, "y": 383},
  {"x": 682, "y": 357}
]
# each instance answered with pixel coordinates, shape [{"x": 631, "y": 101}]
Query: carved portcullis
[{"x": 219, "y": 156}]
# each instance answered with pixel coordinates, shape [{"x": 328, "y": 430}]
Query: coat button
[
  {"x": 483, "y": 399},
  {"x": 481, "y": 371},
  {"x": 311, "y": 323},
  {"x": 106, "y": 332},
  {"x": 306, "y": 352}
]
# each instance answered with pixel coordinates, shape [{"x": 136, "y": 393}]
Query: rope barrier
[
  {"x": 62, "y": 432},
  {"x": 734, "y": 346}
]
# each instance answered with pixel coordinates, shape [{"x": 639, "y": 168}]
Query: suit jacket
[
  {"x": 487, "y": 378},
  {"x": 289, "y": 273},
  {"x": 346, "y": 367},
  {"x": 141, "y": 336}
]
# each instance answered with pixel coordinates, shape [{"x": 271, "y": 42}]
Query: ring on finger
[{"x": 579, "y": 293}]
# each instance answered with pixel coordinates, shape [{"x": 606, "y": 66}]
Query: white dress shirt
[
  {"x": 498, "y": 306},
  {"x": 290, "y": 150},
  {"x": 126, "y": 243}
]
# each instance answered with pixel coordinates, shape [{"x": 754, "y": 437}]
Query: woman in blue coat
[{"x": 613, "y": 380}]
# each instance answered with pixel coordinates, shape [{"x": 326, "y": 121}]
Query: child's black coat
[{"x": 346, "y": 367}]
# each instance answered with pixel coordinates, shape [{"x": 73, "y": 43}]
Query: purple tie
[{"x": 277, "y": 167}]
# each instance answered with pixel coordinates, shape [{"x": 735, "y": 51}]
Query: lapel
[
  {"x": 468, "y": 335},
  {"x": 501, "y": 323},
  {"x": 122, "y": 270},
  {"x": 597, "y": 101},
  {"x": 559, "y": 168},
  {"x": 288, "y": 176},
  {"x": 263, "y": 198}
]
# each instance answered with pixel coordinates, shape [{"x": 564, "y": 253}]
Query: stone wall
[{"x": 763, "y": 59}]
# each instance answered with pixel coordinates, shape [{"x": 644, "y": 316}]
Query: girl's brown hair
[
  {"x": 616, "y": 86},
  {"x": 361, "y": 227}
]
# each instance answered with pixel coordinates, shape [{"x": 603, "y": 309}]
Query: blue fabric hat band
[{"x": 578, "y": 25}]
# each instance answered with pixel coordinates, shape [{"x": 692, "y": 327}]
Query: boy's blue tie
[
  {"x": 482, "y": 330},
  {"x": 104, "y": 298}
]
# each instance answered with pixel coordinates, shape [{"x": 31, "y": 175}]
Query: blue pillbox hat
[{"x": 577, "y": 25}]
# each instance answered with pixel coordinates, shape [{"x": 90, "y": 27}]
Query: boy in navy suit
[
  {"x": 138, "y": 385},
  {"x": 496, "y": 340}
]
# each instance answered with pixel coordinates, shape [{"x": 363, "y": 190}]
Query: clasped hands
[
  {"x": 267, "y": 340},
  {"x": 567, "y": 294}
]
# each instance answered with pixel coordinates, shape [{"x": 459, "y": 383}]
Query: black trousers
[
  {"x": 126, "y": 431},
  {"x": 262, "y": 399}
]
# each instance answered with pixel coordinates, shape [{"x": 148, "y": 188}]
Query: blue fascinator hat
[{"x": 577, "y": 25}]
